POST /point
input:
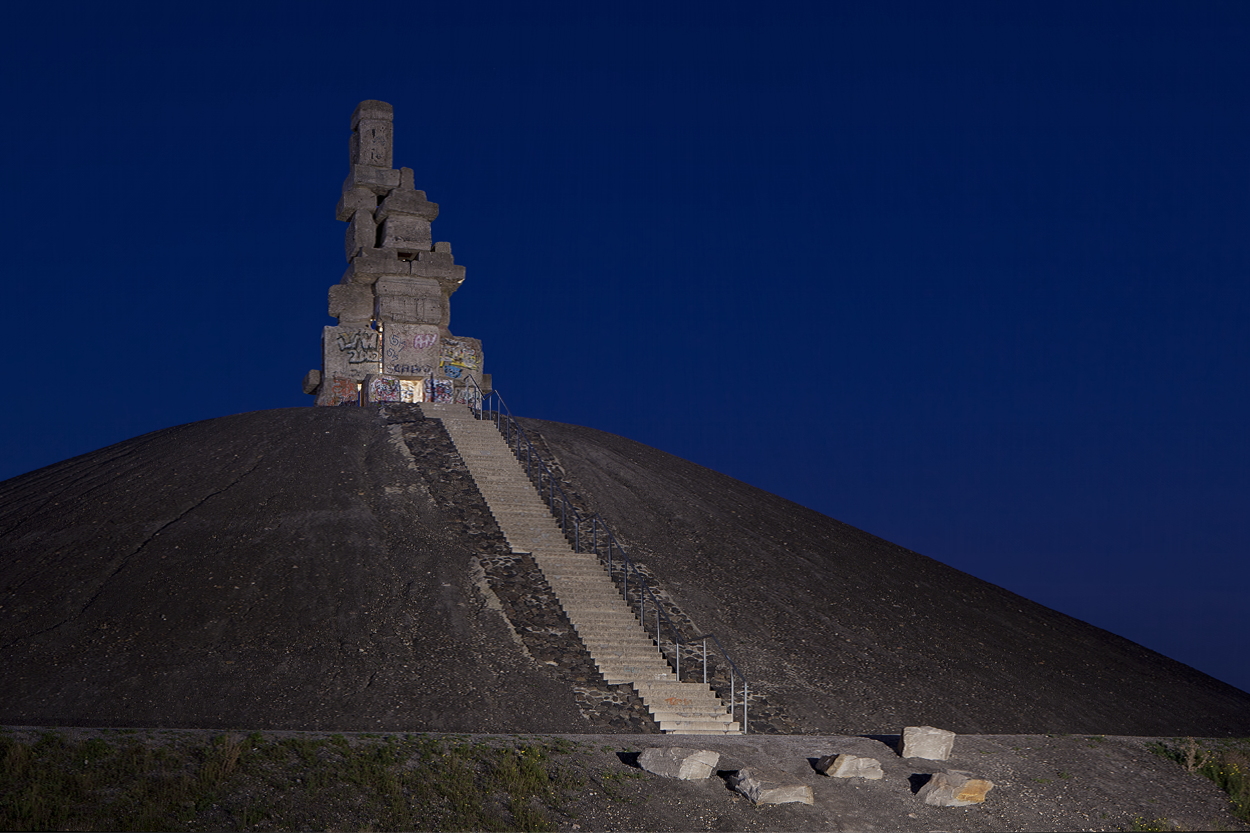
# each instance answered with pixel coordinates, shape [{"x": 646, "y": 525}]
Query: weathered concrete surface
[
  {"x": 394, "y": 301},
  {"x": 764, "y": 785},
  {"x": 842, "y": 632},
  {"x": 679, "y": 762},
  {"x": 927, "y": 742},
  {"x": 279, "y": 569}
]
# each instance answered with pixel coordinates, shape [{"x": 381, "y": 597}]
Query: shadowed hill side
[
  {"x": 278, "y": 569},
  {"x": 307, "y": 569},
  {"x": 849, "y": 633}
]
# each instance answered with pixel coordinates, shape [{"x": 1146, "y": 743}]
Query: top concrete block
[{"x": 372, "y": 110}]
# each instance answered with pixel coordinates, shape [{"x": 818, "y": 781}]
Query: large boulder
[
  {"x": 679, "y": 762},
  {"x": 953, "y": 788},
  {"x": 771, "y": 786},
  {"x": 927, "y": 742},
  {"x": 850, "y": 766}
]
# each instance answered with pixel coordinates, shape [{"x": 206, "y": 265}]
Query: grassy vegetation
[
  {"x": 192, "y": 781},
  {"x": 1226, "y": 762}
]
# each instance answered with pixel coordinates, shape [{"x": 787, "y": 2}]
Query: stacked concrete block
[{"x": 393, "y": 302}]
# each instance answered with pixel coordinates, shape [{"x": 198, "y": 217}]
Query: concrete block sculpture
[{"x": 393, "y": 303}]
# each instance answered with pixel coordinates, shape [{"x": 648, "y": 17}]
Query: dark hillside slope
[
  {"x": 853, "y": 634},
  {"x": 301, "y": 569},
  {"x": 278, "y": 569}
]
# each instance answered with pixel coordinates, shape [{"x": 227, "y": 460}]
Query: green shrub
[{"x": 1225, "y": 762}]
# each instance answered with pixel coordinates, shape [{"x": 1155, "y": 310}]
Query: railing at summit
[{"x": 590, "y": 534}]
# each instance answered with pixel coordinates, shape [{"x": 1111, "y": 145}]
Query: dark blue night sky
[{"x": 970, "y": 276}]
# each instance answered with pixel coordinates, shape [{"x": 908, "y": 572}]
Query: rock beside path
[
  {"x": 954, "y": 788},
  {"x": 771, "y": 786},
  {"x": 679, "y": 762},
  {"x": 850, "y": 766},
  {"x": 927, "y": 742}
]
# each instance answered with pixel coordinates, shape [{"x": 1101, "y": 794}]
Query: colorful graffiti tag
[
  {"x": 384, "y": 389},
  {"x": 441, "y": 390},
  {"x": 343, "y": 391},
  {"x": 457, "y": 352}
]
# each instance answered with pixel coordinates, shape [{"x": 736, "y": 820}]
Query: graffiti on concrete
[
  {"x": 469, "y": 395},
  {"x": 441, "y": 390},
  {"x": 458, "y": 352},
  {"x": 411, "y": 390},
  {"x": 412, "y": 369},
  {"x": 343, "y": 390},
  {"x": 360, "y": 347},
  {"x": 384, "y": 389}
]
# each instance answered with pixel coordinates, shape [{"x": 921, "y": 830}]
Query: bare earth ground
[{"x": 1042, "y": 783}]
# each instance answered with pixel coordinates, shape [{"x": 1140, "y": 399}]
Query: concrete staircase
[{"x": 620, "y": 647}]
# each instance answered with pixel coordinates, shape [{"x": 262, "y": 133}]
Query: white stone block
[
  {"x": 679, "y": 762},
  {"x": 850, "y": 766},
  {"x": 927, "y": 742}
]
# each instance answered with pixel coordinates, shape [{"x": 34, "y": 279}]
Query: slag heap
[{"x": 391, "y": 342}]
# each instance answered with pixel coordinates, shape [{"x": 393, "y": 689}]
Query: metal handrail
[{"x": 550, "y": 491}]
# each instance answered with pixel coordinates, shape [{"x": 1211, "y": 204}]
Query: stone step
[
  {"x": 619, "y": 645},
  {"x": 701, "y": 732},
  {"x": 587, "y": 585},
  {"x": 617, "y": 679},
  {"x": 648, "y": 671},
  {"x": 628, "y": 674},
  {"x": 634, "y": 650},
  {"x": 611, "y": 630},
  {"x": 607, "y": 619},
  {"x": 695, "y": 727},
  {"x": 711, "y": 704},
  {"x": 674, "y": 689},
  {"x": 711, "y": 717}
]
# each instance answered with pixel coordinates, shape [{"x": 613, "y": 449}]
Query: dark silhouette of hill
[{"x": 299, "y": 569}]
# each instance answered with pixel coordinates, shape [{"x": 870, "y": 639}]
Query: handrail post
[
  {"x": 677, "y": 645},
  {"x": 746, "y": 690},
  {"x": 705, "y": 661}
]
